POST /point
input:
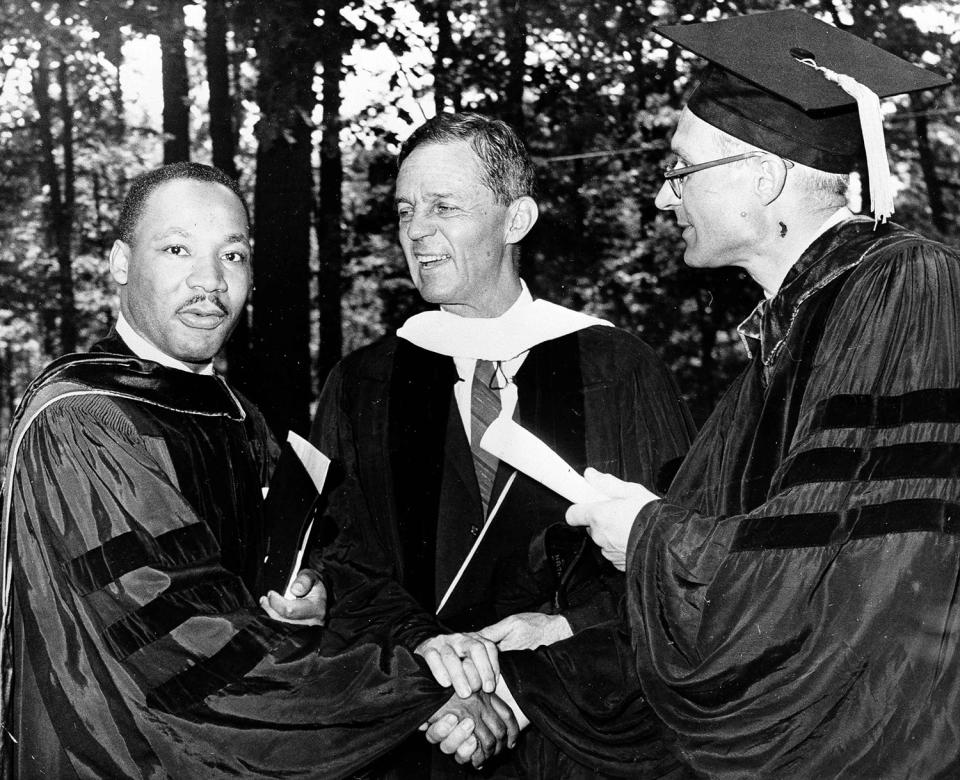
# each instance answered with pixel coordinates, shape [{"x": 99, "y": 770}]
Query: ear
[
  {"x": 120, "y": 261},
  {"x": 521, "y": 217},
  {"x": 771, "y": 179}
]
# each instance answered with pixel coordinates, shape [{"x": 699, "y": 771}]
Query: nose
[
  {"x": 419, "y": 226},
  {"x": 207, "y": 273},
  {"x": 666, "y": 199}
]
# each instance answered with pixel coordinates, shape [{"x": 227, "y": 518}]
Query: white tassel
[{"x": 874, "y": 144}]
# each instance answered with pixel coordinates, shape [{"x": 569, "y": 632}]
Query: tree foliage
[{"x": 269, "y": 90}]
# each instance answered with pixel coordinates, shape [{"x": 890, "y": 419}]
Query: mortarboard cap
[{"x": 759, "y": 91}]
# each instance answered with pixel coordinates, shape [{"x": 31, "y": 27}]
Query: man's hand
[
  {"x": 609, "y": 522},
  {"x": 308, "y": 607},
  {"x": 468, "y": 662},
  {"x": 527, "y": 630},
  {"x": 472, "y": 729}
]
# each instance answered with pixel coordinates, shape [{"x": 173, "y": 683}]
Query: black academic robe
[
  {"x": 134, "y": 502},
  {"x": 409, "y": 508},
  {"x": 793, "y": 599}
]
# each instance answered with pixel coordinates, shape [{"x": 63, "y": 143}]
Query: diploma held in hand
[
  {"x": 295, "y": 488},
  {"x": 515, "y": 445}
]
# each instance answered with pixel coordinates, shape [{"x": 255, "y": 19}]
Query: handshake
[{"x": 481, "y": 717}]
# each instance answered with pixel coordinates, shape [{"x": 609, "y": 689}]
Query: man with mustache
[{"x": 132, "y": 521}]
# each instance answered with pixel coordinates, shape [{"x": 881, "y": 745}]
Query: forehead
[
  {"x": 440, "y": 167},
  {"x": 693, "y": 136},
  {"x": 189, "y": 204}
]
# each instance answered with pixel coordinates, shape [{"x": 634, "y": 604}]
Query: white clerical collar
[
  {"x": 144, "y": 350},
  {"x": 525, "y": 324},
  {"x": 838, "y": 216}
]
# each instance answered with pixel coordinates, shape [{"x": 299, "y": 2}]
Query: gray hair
[
  {"x": 505, "y": 164},
  {"x": 822, "y": 189}
]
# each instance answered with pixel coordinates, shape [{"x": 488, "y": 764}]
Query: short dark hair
[
  {"x": 505, "y": 164},
  {"x": 142, "y": 186}
]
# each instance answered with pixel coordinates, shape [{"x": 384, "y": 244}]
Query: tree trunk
[
  {"x": 928, "y": 164},
  {"x": 172, "y": 29},
  {"x": 223, "y": 139},
  {"x": 283, "y": 200},
  {"x": 515, "y": 28},
  {"x": 222, "y": 135},
  {"x": 58, "y": 217},
  {"x": 64, "y": 230},
  {"x": 333, "y": 42},
  {"x": 446, "y": 86}
]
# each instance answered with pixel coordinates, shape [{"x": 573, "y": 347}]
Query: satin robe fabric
[
  {"x": 408, "y": 510},
  {"x": 793, "y": 601},
  {"x": 138, "y": 648}
]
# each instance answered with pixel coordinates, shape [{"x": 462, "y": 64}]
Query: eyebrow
[
  {"x": 174, "y": 231},
  {"x": 429, "y": 196},
  {"x": 177, "y": 231}
]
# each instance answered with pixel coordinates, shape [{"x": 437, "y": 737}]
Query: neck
[
  {"x": 489, "y": 307},
  {"x": 146, "y": 350},
  {"x": 789, "y": 234}
]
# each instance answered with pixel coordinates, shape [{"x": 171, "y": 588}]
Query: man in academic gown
[
  {"x": 131, "y": 528},
  {"x": 793, "y": 597},
  {"x": 471, "y": 546}
]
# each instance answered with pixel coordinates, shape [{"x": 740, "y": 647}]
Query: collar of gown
[
  {"x": 768, "y": 325},
  {"x": 524, "y": 325}
]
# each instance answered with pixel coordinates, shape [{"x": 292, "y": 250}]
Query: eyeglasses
[{"x": 675, "y": 176}]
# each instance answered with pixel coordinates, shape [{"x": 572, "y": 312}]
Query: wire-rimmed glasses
[{"x": 675, "y": 176}]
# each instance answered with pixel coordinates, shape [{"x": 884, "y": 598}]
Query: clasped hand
[
  {"x": 308, "y": 607},
  {"x": 466, "y": 661},
  {"x": 472, "y": 729}
]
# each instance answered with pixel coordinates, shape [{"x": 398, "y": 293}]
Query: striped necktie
[{"x": 484, "y": 408}]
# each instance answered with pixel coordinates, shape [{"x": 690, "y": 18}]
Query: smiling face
[
  {"x": 185, "y": 276},
  {"x": 716, "y": 207},
  {"x": 455, "y": 236}
]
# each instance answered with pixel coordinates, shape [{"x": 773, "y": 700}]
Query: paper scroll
[{"x": 515, "y": 445}]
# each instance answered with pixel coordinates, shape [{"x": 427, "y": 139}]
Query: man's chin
[
  {"x": 432, "y": 293},
  {"x": 693, "y": 258},
  {"x": 198, "y": 355}
]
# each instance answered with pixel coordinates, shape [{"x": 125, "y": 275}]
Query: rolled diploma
[{"x": 515, "y": 445}]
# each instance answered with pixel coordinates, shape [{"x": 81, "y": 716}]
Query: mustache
[{"x": 213, "y": 298}]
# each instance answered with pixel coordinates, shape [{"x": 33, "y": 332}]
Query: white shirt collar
[
  {"x": 838, "y": 216},
  {"x": 524, "y": 325},
  {"x": 144, "y": 350}
]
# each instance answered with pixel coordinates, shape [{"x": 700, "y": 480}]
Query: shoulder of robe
[
  {"x": 905, "y": 264},
  {"x": 373, "y": 361},
  {"x": 613, "y": 352}
]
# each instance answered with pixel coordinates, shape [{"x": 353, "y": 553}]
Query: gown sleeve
[
  {"x": 367, "y": 588},
  {"x": 638, "y": 428},
  {"x": 151, "y": 656},
  {"x": 583, "y": 694}
]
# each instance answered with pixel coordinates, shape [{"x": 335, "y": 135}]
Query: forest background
[{"x": 306, "y": 101}]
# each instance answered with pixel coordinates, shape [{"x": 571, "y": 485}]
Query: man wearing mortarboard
[{"x": 794, "y": 598}]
